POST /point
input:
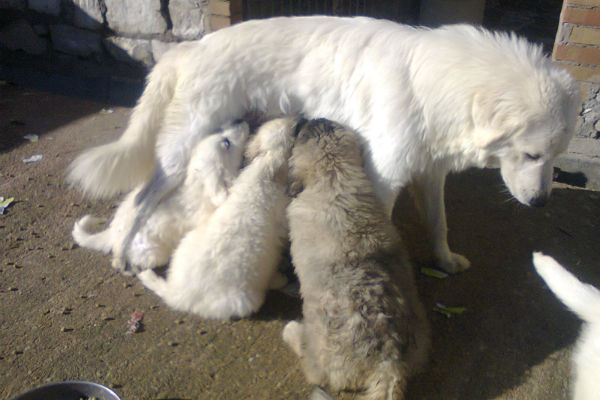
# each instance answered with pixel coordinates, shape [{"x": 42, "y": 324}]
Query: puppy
[
  {"x": 584, "y": 301},
  {"x": 424, "y": 101},
  {"x": 214, "y": 164},
  {"x": 223, "y": 268},
  {"x": 364, "y": 327}
]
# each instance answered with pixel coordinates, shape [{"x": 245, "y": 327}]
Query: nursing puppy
[
  {"x": 222, "y": 268},
  {"x": 424, "y": 101},
  {"x": 213, "y": 166},
  {"x": 584, "y": 301},
  {"x": 364, "y": 327}
]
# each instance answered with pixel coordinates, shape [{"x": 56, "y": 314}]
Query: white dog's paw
[{"x": 454, "y": 263}]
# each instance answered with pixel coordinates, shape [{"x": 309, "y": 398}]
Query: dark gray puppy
[{"x": 364, "y": 327}]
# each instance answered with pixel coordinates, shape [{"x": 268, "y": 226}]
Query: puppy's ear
[
  {"x": 216, "y": 188},
  {"x": 484, "y": 114}
]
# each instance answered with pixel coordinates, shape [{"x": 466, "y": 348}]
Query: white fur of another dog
[
  {"x": 223, "y": 268},
  {"x": 424, "y": 101},
  {"x": 214, "y": 164},
  {"x": 363, "y": 325},
  {"x": 584, "y": 300}
]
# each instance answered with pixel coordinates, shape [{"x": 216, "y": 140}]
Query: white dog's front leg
[{"x": 428, "y": 192}]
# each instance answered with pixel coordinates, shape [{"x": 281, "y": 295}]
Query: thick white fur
[
  {"x": 584, "y": 300},
  {"x": 214, "y": 164},
  {"x": 424, "y": 101},
  {"x": 222, "y": 268},
  {"x": 363, "y": 325}
]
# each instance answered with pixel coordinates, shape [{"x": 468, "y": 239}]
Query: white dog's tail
[
  {"x": 579, "y": 297},
  {"x": 82, "y": 235},
  {"x": 387, "y": 382},
  {"x": 115, "y": 167}
]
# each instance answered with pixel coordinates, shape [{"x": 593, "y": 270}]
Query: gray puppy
[{"x": 364, "y": 327}]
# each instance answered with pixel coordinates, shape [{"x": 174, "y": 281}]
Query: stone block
[
  {"x": 19, "y": 35},
  {"x": 130, "y": 50},
  {"x": 14, "y": 4},
  {"x": 70, "y": 40},
  {"x": 87, "y": 14},
  {"x": 188, "y": 18},
  {"x": 135, "y": 17},
  {"x": 159, "y": 48},
  {"x": 51, "y": 7}
]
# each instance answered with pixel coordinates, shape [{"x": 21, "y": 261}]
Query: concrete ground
[{"x": 64, "y": 311}]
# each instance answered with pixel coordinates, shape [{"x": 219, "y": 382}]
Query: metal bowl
[{"x": 73, "y": 390}]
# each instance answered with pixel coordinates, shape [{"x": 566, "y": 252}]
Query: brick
[
  {"x": 583, "y": 74},
  {"x": 581, "y": 16},
  {"x": 584, "y": 55},
  {"x": 219, "y": 7},
  {"x": 585, "y": 3},
  {"x": 583, "y": 35},
  {"x": 218, "y": 21}
]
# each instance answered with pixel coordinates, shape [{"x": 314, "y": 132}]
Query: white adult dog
[
  {"x": 222, "y": 268},
  {"x": 584, "y": 301},
  {"x": 424, "y": 101},
  {"x": 214, "y": 164}
]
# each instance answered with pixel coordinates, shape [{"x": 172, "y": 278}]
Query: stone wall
[{"x": 106, "y": 40}]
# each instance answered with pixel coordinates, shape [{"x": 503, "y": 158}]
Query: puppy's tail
[
  {"x": 581, "y": 298},
  {"x": 387, "y": 382},
  {"x": 95, "y": 241},
  {"x": 116, "y": 167}
]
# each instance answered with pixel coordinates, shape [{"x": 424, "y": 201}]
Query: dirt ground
[{"x": 64, "y": 311}]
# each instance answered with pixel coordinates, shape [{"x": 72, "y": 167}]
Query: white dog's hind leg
[
  {"x": 428, "y": 191},
  {"x": 100, "y": 241}
]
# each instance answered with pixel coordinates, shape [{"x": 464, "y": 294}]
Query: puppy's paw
[
  {"x": 453, "y": 263},
  {"x": 292, "y": 334}
]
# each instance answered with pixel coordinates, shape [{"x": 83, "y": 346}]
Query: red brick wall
[{"x": 577, "y": 45}]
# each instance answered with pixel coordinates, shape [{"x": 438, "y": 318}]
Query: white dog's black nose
[{"x": 539, "y": 201}]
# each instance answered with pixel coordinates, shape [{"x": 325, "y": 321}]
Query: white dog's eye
[
  {"x": 226, "y": 143},
  {"x": 533, "y": 157}
]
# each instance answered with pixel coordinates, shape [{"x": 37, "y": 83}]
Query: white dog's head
[
  {"x": 216, "y": 161},
  {"x": 522, "y": 125}
]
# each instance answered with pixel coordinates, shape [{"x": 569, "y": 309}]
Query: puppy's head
[
  {"x": 524, "y": 125},
  {"x": 216, "y": 160},
  {"x": 275, "y": 137},
  {"x": 323, "y": 149}
]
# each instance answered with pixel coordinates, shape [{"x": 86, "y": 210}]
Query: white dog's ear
[
  {"x": 216, "y": 189},
  {"x": 484, "y": 114}
]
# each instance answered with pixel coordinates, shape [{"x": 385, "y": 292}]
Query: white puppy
[
  {"x": 584, "y": 301},
  {"x": 424, "y": 101},
  {"x": 363, "y": 325},
  {"x": 223, "y": 268},
  {"x": 214, "y": 164}
]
